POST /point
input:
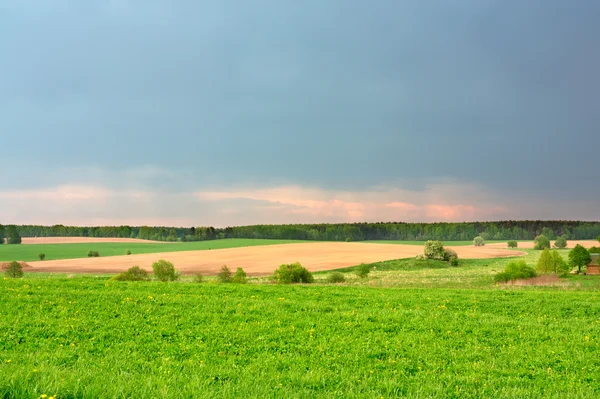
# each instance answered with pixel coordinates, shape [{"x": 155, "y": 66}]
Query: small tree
[
  {"x": 478, "y": 241},
  {"x": 513, "y": 244},
  {"x": 578, "y": 257},
  {"x": 363, "y": 270},
  {"x": 540, "y": 242},
  {"x": 164, "y": 271},
  {"x": 128, "y": 252},
  {"x": 434, "y": 250},
  {"x": 559, "y": 265},
  {"x": 293, "y": 273},
  {"x": 96, "y": 254},
  {"x": 12, "y": 235},
  {"x": 224, "y": 275},
  {"x": 2, "y": 234},
  {"x": 561, "y": 242},
  {"x": 42, "y": 256},
  {"x": 13, "y": 270},
  {"x": 90, "y": 253},
  {"x": 336, "y": 277},
  {"x": 239, "y": 276},
  {"x": 544, "y": 264}
]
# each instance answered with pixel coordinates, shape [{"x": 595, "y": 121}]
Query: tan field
[
  {"x": 262, "y": 260},
  {"x": 77, "y": 240},
  {"x": 529, "y": 244}
]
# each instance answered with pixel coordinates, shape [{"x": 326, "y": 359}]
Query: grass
[{"x": 29, "y": 253}]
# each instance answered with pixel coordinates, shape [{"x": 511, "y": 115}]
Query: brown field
[
  {"x": 77, "y": 240},
  {"x": 529, "y": 244},
  {"x": 261, "y": 260}
]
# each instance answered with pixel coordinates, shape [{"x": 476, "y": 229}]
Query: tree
[
  {"x": 579, "y": 256},
  {"x": 540, "y": 242},
  {"x": 42, "y": 256},
  {"x": 2, "y": 233},
  {"x": 513, "y": 244},
  {"x": 363, "y": 270},
  {"x": 479, "y": 242},
  {"x": 164, "y": 271},
  {"x": 434, "y": 250},
  {"x": 12, "y": 235},
  {"x": 560, "y": 242},
  {"x": 224, "y": 275},
  {"x": 559, "y": 266},
  {"x": 13, "y": 270},
  {"x": 239, "y": 276},
  {"x": 544, "y": 264}
]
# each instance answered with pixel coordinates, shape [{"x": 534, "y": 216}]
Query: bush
[
  {"x": 90, "y": 253},
  {"x": 561, "y": 242},
  {"x": 540, "y": 242},
  {"x": 134, "y": 273},
  {"x": 239, "y": 277},
  {"x": 478, "y": 241},
  {"x": 42, "y": 256},
  {"x": 128, "y": 252},
  {"x": 348, "y": 239},
  {"x": 544, "y": 264},
  {"x": 336, "y": 277},
  {"x": 224, "y": 275},
  {"x": 434, "y": 250},
  {"x": 363, "y": 270},
  {"x": 198, "y": 278},
  {"x": 449, "y": 253},
  {"x": 96, "y": 254},
  {"x": 164, "y": 271},
  {"x": 594, "y": 250},
  {"x": 514, "y": 271},
  {"x": 559, "y": 266},
  {"x": 13, "y": 270},
  {"x": 293, "y": 273},
  {"x": 513, "y": 244}
]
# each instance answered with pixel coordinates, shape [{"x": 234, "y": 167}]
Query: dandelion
[{"x": 8, "y": 361}]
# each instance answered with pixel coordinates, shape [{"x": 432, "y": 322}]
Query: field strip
[{"x": 261, "y": 260}]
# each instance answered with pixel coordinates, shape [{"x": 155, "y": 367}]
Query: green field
[{"x": 28, "y": 253}]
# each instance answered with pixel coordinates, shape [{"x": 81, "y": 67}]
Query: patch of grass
[
  {"x": 86, "y": 337},
  {"x": 71, "y": 251}
]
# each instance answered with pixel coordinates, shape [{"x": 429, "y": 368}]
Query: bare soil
[
  {"x": 262, "y": 260},
  {"x": 550, "y": 280},
  {"x": 77, "y": 240}
]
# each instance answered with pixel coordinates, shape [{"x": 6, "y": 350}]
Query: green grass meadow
[
  {"x": 28, "y": 253},
  {"x": 415, "y": 329}
]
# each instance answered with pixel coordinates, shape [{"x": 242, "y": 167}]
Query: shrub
[
  {"x": 449, "y": 253},
  {"x": 560, "y": 243},
  {"x": 540, "y": 242},
  {"x": 363, "y": 270},
  {"x": 96, "y": 254},
  {"x": 224, "y": 275},
  {"x": 594, "y": 250},
  {"x": 515, "y": 270},
  {"x": 478, "y": 241},
  {"x": 128, "y": 252},
  {"x": 90, "y": 253},
  {"x": 42, "y": 256},
  {"x": 293, "y": 273},
  {"x": 348, "y": 239},
  {"x": 198, "y": 278},
  {"x": 559, "y": 265},
  {"x": 420, "y": 257},
  {"x": 164, "y": 271},
  {"x": 453, "y": 260},
  {"x": 134, "y": 273},
  {"x": 336, "y": 277},
  {"x": 13, "y": 270},
  {"x": 513, "y": 244},
  {"x": 239, "y": 276},
  {"x": 544, "y": 264},
  {"x": 434, "y": 250}
]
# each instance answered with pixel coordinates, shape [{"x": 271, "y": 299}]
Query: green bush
[
  {"x": 90, "y": 253},
  {"x": 560, "y": 243},
  {"x": 239, "y": 277},
  {"x": 198, "y": 278},
  {"x": 293, "y": 273},
  {"x": 128, "y": 252},
  {"x": 42, "y": 256},
  {"x": 336, "y": 277},
  {"x": 164, "y": 271},
  {"x": 513, "y": 244},
  {"x": 544, "y": 264},
  {"x": 224, "y": 275},
  {"x": 13, "y": 270},
  {"x": 363, "y": 270},
  {"x": 514, "y": 271},
  {"x": 540, "y": 242},
  {"x": 478, "y": 241},
  {"x": 434, "y": 250},
  {"x": 449, "y": 253},
  {"x": 134, "y": 273}
]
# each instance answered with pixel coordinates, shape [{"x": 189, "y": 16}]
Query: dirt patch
[
  {"x": 551, "y": 280},
  {"x": 261, "y": 260},
  {"x": 80, "y": 240},
  {"x": 529, "y": 244},
  {"x": 24, "y": 265}
]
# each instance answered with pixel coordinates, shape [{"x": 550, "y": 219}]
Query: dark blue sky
[{"x": 188, "y": 112}]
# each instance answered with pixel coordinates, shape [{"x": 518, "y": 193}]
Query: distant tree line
[{"x": 504, "y": 230}]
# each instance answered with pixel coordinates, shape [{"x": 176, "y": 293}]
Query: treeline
[{"x": 506, "y": 230}]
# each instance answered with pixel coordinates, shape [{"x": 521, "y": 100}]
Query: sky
[{"x": 192, "y": 113}]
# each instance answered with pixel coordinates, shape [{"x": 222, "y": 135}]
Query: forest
[{"x": 500, "y": 230}]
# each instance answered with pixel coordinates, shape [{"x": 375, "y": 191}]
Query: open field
[
  {"x": 83, "y": 240},
  {"x": 29, "y": 253},
  {"x": 262, "y": 260},
  {"x": 84, "y": 337}
]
